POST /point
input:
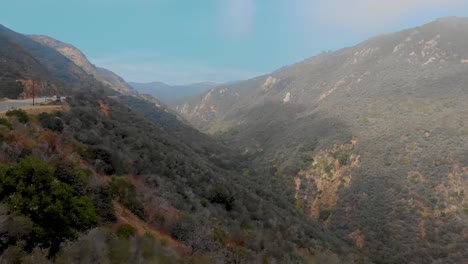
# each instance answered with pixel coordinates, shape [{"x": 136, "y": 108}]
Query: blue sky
[{"x": 185, "y": 41}]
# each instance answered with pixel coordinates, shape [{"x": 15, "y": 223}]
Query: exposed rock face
[
  {"x": 328, "y": 173},
  {"x": 403, "y": 98},
  {"x": 76, "y": 56}
]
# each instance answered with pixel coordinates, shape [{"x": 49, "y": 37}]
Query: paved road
[{"x": 7, "y": 105}]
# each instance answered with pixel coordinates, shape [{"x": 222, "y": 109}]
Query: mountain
[
  {"x": 28, "y": 65},
  {"x": 171, "y": 94},
  {"x": 78, "y": 58},
  {"x": 116, "y": 177},
  {"x": 372, "y": 138},
  {"x": 104, "y": 76}
]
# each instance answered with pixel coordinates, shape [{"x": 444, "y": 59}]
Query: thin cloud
[
  {"x": 237, "y": 17},
  {"x": 367, "y": 14}
]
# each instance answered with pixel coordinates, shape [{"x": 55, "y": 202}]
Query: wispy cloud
[
  {"x": 237, "y": 17},
  {"x": 175, "y": 73},
  {"x": 362, "y": 15}
]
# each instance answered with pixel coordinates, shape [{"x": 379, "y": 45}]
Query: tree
[
  {"x": 58, "y": 213},
  {"x": 51, "y": 122}
]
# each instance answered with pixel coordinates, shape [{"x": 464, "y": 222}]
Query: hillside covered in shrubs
[{"x": 105, "y": 182}]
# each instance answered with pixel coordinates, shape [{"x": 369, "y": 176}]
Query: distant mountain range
[
  {"x": 374, "y": 139},
  {"x": 171, "y": 94}
]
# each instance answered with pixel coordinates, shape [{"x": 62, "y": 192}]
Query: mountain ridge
[
  {"x": 366, "y": 135},
  {"x": 74, "y": 54}
]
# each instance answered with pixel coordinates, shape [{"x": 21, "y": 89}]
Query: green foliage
[
  {"x": 100, "y": 245},
  {"x": 55, "y": 209},
  {"x": 328, "y": 169},
  {"x": 125, "y": 231},
  {"x": 51, "y": 122},
  {"x": 123, "y": 191},
  {"x": 300, "y": 205},
  {"x": 102, "y": 158},
  {"x": 78, "y": 179},
  {"x": 18, "y": 113},
  {"x": 102, "y": 198},
  {"x": 220, "y": 235},
  {"x": 5, "y": 122},
  {"x": 222, "y": 196},
  {"x": 194, "y": 174},
  {"x": 306, "y": 153},
  {"x": 324, "y": 214}
]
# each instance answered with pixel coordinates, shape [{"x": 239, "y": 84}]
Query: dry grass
[
  {"x": 37, "y": 109},
  {"x": 124, "y": 216},
  {"x": 45, "y": 108}
]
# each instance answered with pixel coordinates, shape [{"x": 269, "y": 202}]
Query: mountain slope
[
  {"x": 77, "y": 57},
  {"x": 58, "y": 66},
  {"x": 171, "y": 94},
  {"x": 38, "y": 68},
  {"x": 117, "y": 174},
  {"x": 373, "y": 138}
]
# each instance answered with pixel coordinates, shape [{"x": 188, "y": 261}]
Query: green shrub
[
  {"x": 324, "y": 214},
  {"x": 103, "y": 202},
  {"x": 76, "y": 178},
  {"x": 220, "y": 235},
  {"x": 51, "y": 122},
  {"x": 5, "y": 122},
  {"x": 328, "y": 169},
  {"x": 123, "y": 191},
  {"x": 97, "y": 153},
  {"x": 20, "y": 114},
  {"x": 125, "y": 231},
  {"x": 223, "y": 197}
]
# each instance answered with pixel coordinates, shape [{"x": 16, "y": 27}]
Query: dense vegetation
[
  {"x": 10, "y": 88},
  {"x": 389, "y": 168},
  {"x": 55, "y": 210},
  {"x": 231, "y": 205},
  {"x": 108, "y": 163},
  {"x": 329, "y": 148}
]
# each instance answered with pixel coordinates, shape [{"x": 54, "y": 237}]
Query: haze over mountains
[
  {"x": 171, "y": 94},
  {"x": 374, "y": 137}
]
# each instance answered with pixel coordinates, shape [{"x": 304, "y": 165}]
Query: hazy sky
[{"x": 184, "y": 41}]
